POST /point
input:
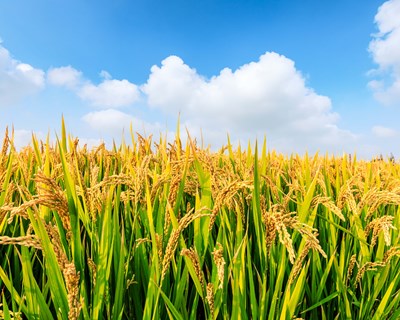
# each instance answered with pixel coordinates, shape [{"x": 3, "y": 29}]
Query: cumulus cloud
[
  {"x": 385, "y": 50},
  {"x": 109, "y": 119},
  {"x": 114, "y": 122},
  {"x": 110, "y": 93},
  {"x": 64, "y": 77},
  {"x": 383, "y": 132},
  {"x": 17, "y": 79},
  {"x": 268, "y": 96}
]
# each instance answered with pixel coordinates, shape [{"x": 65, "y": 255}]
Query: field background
[{"x": 157, "y": 230}]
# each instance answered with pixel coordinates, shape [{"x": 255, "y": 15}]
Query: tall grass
[{"x": 157, "y": 230}]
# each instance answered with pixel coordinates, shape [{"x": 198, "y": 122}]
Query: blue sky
[{"x": 310, "y": 75}]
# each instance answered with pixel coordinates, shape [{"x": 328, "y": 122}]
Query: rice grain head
[
  {"x": 368, "y": 266},
  {"x": 210, "y": 298},
  {"x": 218, "y": 255},
  {"x": 173, "y": 239},
  {"x": 194, "y": 257},
  {"x": 384, "y": 224}
]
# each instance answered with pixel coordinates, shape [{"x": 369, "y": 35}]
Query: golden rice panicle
[
  {"x": 141, "y": 241},
  {"x": 158, "y": 184},
  {"x": 93, "y": 270},
  {"x": 282, "y": 221},
  {"x": 173, "y": 192},
  {"x": 297, "y": 266},
  {"x": 159, "y": 245},
  {"x": 368, "y": 266},
  {"x": 223, "y": 197},
  {"x": 54, "y": 236},
  {"x": 312, "y": 235},
  {"x": 392, "y": 252},
  {"x": 346, "y": 194},
  {"x": 218, "y": 255},
  {"x": 272, "y": 186},
  {"x": 176, "y": 177},
  {"x": 169, "y": 251},
  {"x": 71, "y": 277},
  {"x": 173, "y": 239},
  {"x": 138, "y": 182},
  {"x": 329, "y": 204},
  {"x": 285, "y": 238},
  {"x": 270, "y": 231},
  {"x": 210, "y": 299},
  {"x": 270, "y": 227},
  {"x": 311, "y": 243},
  {"x": 194, "y": 257},
  {"x": 72, "y": 283},
  {"x": 51, "y": 195},
  {"x": 368, "y": 198},
  {"x": 18, "y": 211},
  {"x": 26, "y": 241},
  {"x": 383, "y": 224},
  {"x": 144, "y": 144},
  {"x": 379, "y": 198},
  {"x": 352, "y": 263}
]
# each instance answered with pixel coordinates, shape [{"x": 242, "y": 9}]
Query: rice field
[{"x": 156, "y": 230}]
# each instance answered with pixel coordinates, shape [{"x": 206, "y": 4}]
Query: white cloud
[
  {"x": 110, "y": 93},
  {"x": 385, "y": 50},
  {"x": 105, "y": 75},
  {"x": 172, "y": 86},
  {"x": 17, "y": 79},
  {"x": 388, "y": 16},
  {"x": 383, "y": 132},
  {"x": 64, "y": 76},
  {"x": 268, "y": 96},
  {"x": 109, "y": 119},
  {"x": 115, "y": 121}
]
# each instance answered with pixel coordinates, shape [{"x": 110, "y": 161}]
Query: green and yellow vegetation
[{"x": 157, "y": 230}]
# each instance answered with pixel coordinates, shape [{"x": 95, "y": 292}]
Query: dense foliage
[{"x": 162, "y": 230}]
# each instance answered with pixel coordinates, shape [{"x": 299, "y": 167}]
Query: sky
[{"x": 310, "y": 76}]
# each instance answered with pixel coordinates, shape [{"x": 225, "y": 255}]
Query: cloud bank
[
  {"x": 385, "y": 50},
  {"x": 269, "y": 96}
]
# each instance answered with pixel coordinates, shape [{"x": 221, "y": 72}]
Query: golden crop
[{"x": 161, "y": 230}]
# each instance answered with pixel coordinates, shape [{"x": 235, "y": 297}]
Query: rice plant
[{"x": 158, "y": 230}]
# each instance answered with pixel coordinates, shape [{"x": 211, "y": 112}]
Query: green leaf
[
  {"x": 385, "y": 300},
  {"x": 171, "y": 307},
  {"x": 323, "y": 301}
]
